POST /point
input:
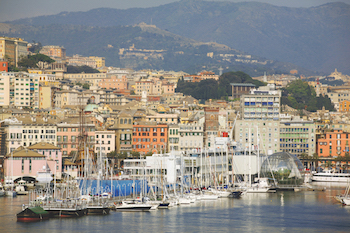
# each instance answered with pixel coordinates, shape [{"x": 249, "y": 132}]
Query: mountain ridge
[{"x": 316, "y": 38}]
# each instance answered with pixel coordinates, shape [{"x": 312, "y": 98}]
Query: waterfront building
[
  {"x": 333, "y": 144},
  {"x": 149, "y": 137},
  {"x": 53, "y": 156},
  {"x": 298, "y": 137},
  {"x": 267, "y": 132},
  {"x": 160, "y": 168},
  {"x": 23, "y": 163}
]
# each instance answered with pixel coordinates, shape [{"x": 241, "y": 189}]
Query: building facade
[
  {"x": 149, "y": 137},
  {"x": 105, "y": 142},
  {"x": 334, "y": 144},
  {"x": 12, "y": 49}
]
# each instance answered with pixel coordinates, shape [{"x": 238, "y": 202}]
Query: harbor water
[{"x": 305, "y": 211}]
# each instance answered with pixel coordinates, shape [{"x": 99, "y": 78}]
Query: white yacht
[
  {"x": 331, "y": 176},
  {"x": 132, "y": 206}
]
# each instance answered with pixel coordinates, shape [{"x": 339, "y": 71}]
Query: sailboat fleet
[{"x": 160, "y": 181}]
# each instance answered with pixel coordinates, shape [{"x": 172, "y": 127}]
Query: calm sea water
[{"x": 310, "y": 211}]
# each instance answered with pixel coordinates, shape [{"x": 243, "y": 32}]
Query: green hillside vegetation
[
  {"x": 81, "y": 69},
  {"x": 316, "y": 38},
  {"x": 299, "y": 95},
  {"x": 212, "y": 89},
  {"x": 30, "y": 61},
  {"x": 179, "y": 53}
]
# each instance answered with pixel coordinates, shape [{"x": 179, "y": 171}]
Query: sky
[{"x": 17, "y": 9}]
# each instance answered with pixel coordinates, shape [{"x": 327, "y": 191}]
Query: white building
[
  {"x": 19, "y": 90},
  {"x": 191, "y": 137}
]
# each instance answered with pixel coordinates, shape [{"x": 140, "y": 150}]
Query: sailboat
[
  {"x": 345, "y": 198},
  {"x": 11, "y": 192},
  {"x": 261, "y": 185}
]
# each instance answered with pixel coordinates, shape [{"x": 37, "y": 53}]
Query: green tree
[
  {"x": 31, "y": 61},
  {"x": 299, "y": 95},
  {"x": 81, "y": 69},
  {"x": 86, "y": 86}
]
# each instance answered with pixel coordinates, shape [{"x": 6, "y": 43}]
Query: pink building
[
  {"x": 53, "y": 156},
  {"x": 114, "y": 83},
  {"x": 105, "y": 140},
  {"x": 23, "y": 163},
  {"x": 27, "y": 162},
  {"x": 168, "y": 88}
]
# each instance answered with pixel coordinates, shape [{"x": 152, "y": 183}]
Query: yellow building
[
  {"x": 344, "y": 106},
  {"x": 54, "y": 51},
  {"x": 100, "y": 61},
  {"x": 45, "y": 100},
  {"x": 12, "y": 49}
]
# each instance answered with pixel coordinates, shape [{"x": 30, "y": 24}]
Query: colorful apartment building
[
  {"x": 19, "y": 89},
  {"x": 114, "y": 82},
  {"x": 105, "y": 142},
  {"x": 54, "y": 51},
  {"x": 12, "y": 49},
  {"x": 344, "y": 106},
  {"x": 149, "y": 137},
  {"x": 4, "y": 66},
  {"x": 53, "y": 156},
  {"x": 68, "y": 132},
  {"x": 334, "y": 143}
]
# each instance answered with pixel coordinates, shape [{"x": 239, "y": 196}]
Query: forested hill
[
  {"x": 316, "y": 38},
  {"x": 147, "y": 47}
]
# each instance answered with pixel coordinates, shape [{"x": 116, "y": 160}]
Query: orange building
[
  {"x": 333, "y": 144},
  {"x": 4, "y": 66},
  {"x": 149, "y": 137},
  {"x": 114, "y": 83},
  {"x": 344, "y": 106}
]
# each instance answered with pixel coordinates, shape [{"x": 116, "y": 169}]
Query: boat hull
[
  {"x": 133, "y": 208},
  {"x": 98, "y": 210},
  {"x": 67, "y": 213},
  {"x": 28, "y": 215}
]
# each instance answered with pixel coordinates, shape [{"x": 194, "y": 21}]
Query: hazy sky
[{"x": 16, "y": 9}]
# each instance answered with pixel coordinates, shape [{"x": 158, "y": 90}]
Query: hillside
[
  {"x": 146, "y": 47},
  {"x": 316, "y": 38}
]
